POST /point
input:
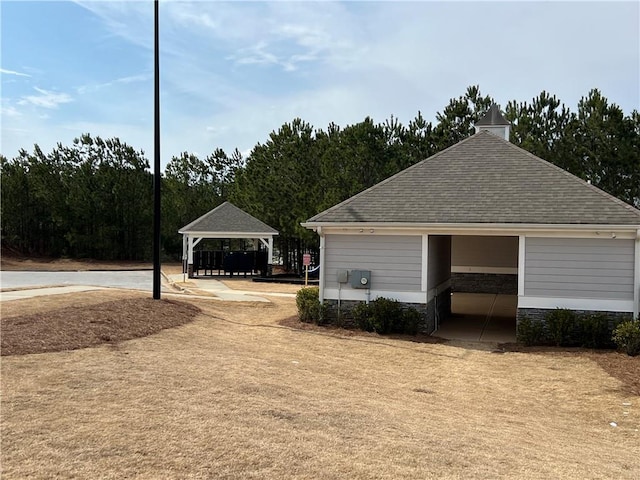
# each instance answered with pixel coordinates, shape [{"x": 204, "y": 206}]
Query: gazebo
[{"x": 226, "y": 221}]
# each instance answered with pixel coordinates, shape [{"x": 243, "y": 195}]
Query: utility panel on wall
[
  {"x": 342, "y": 276},
  {"x": 360, "y": 278}
]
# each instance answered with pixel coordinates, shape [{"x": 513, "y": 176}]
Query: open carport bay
[{"x": 483, "y": 317}]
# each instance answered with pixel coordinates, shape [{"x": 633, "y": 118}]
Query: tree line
[{"x": 94, "y": 199}]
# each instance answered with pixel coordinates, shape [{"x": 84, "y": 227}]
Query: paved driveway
[
  {"x": 32, "y": 283},
  {"x": 483, "y": 317}
]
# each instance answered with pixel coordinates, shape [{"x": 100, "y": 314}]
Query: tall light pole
[{"x": 156, "y": 158}]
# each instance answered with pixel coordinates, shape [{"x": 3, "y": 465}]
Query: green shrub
[
  {"x": 566, "y": 328},
  {"x": 561, "y": 327},
  {"x": 627, "y": 337},
  {"x": 384, "y": 315},
  {"x": 309, "y": 307},
  {"x": 411, "y": 320},
  {"x": 530, "y": 332},
  {"x": 362, "y": 314},
  {"x": 593, "y": 331}
]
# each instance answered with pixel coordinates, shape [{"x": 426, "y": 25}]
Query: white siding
[
  {"x": 579, "y": 268},
  {"x": 501, "y": 131},
  {"x": 484, "y": 254},
  {"x": 439, "y": 260},
  {"x": 395, "y": 261}
]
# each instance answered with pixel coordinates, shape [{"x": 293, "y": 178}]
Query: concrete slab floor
[{"x": 480, "y": 317}]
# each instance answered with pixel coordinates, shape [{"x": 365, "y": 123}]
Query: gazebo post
[
  {"x": 270, "y": 257},
  {"x": 268, "y": 242},
  {"x": 190, "y": 256},
  {"x": 270, "y": 249},
  {"x": 184, "y": 252}
]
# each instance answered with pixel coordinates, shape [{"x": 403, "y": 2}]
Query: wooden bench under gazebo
[{"x": 227, "y": 221}]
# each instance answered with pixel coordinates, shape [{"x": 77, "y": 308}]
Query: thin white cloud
[
  {"x": 133, "y": 78},
  {"x": 255, "y": 55},
  {"x": 4, "y": 71},
  {"x": 298, "y": 34},
  {"x": 9, "y": 111},
  {"x": 46, "y": 99},
  {"x": 123, "y": 80}
]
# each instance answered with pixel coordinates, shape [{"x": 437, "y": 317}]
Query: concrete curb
[{"x": 222, "y": 293}]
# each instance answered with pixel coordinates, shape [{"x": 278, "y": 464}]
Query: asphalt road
[{"x": 131, "y": 279}]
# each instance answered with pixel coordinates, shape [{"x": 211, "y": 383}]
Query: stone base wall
[
  {"x": 341, "y": 316},
  {"x": 344, "y": 317},
  {"x": 485, "y": 283},
  {"x": 539, "y": 314}
]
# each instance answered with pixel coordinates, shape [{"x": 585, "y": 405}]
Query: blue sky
[{"x": 231, "y": 72}]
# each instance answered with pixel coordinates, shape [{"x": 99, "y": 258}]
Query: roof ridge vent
[{"x": 494, "y": 122}]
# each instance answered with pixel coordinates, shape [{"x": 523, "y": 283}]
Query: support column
[
  {"x": 521, "y": 286},
  {"x": 322, "y": 269},
  {"x": 184, "y": 252},
  {"x": 268, "y": 242},
  {"x": 521, "y": 258},
  {"x": 424, "y": 283},
  {"x": 636, "y": 278},
  {"x": 190, "y": 256},
  {"x": 270, "y": 250}
]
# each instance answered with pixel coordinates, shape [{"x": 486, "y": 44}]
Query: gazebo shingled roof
[{"x": 227, "y": 218}]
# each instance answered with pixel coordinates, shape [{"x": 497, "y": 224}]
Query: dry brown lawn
[
  {"x": 267, "y": 287},
  {"x": 241, "y": 392}
]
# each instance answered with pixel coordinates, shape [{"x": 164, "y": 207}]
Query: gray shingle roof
[
  {"x": 227, "y": 218},
  {"x": 483, "y": 179}
]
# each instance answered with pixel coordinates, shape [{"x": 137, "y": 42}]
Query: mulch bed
[
  {"x": 618, "y": 365},
  {"x": 70, "y": 328},
  {"x": 293, "y": 322},
  {"x": 621, "y": 366}
]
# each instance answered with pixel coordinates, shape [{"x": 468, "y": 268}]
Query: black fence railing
[{"x": 218, "y": 262}]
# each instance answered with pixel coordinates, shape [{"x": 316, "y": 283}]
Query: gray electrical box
[
  {"x": 343, "y": 276},
  {"x": 360, "y": 278}
]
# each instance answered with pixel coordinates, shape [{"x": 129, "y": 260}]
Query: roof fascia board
[
  {"x": 519, "y": 226},
  {"x": 597, "y": 231},
  {"x": 195, "y": 233}
]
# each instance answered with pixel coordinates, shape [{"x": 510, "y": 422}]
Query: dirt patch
[
  {"x": 67, "y": 265},
  {"x": 17, "y": 263},
  {"x": 621, "y": 366},
  {"x": 81, "y": 326},
  {"x": 293, "y": 322}
]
